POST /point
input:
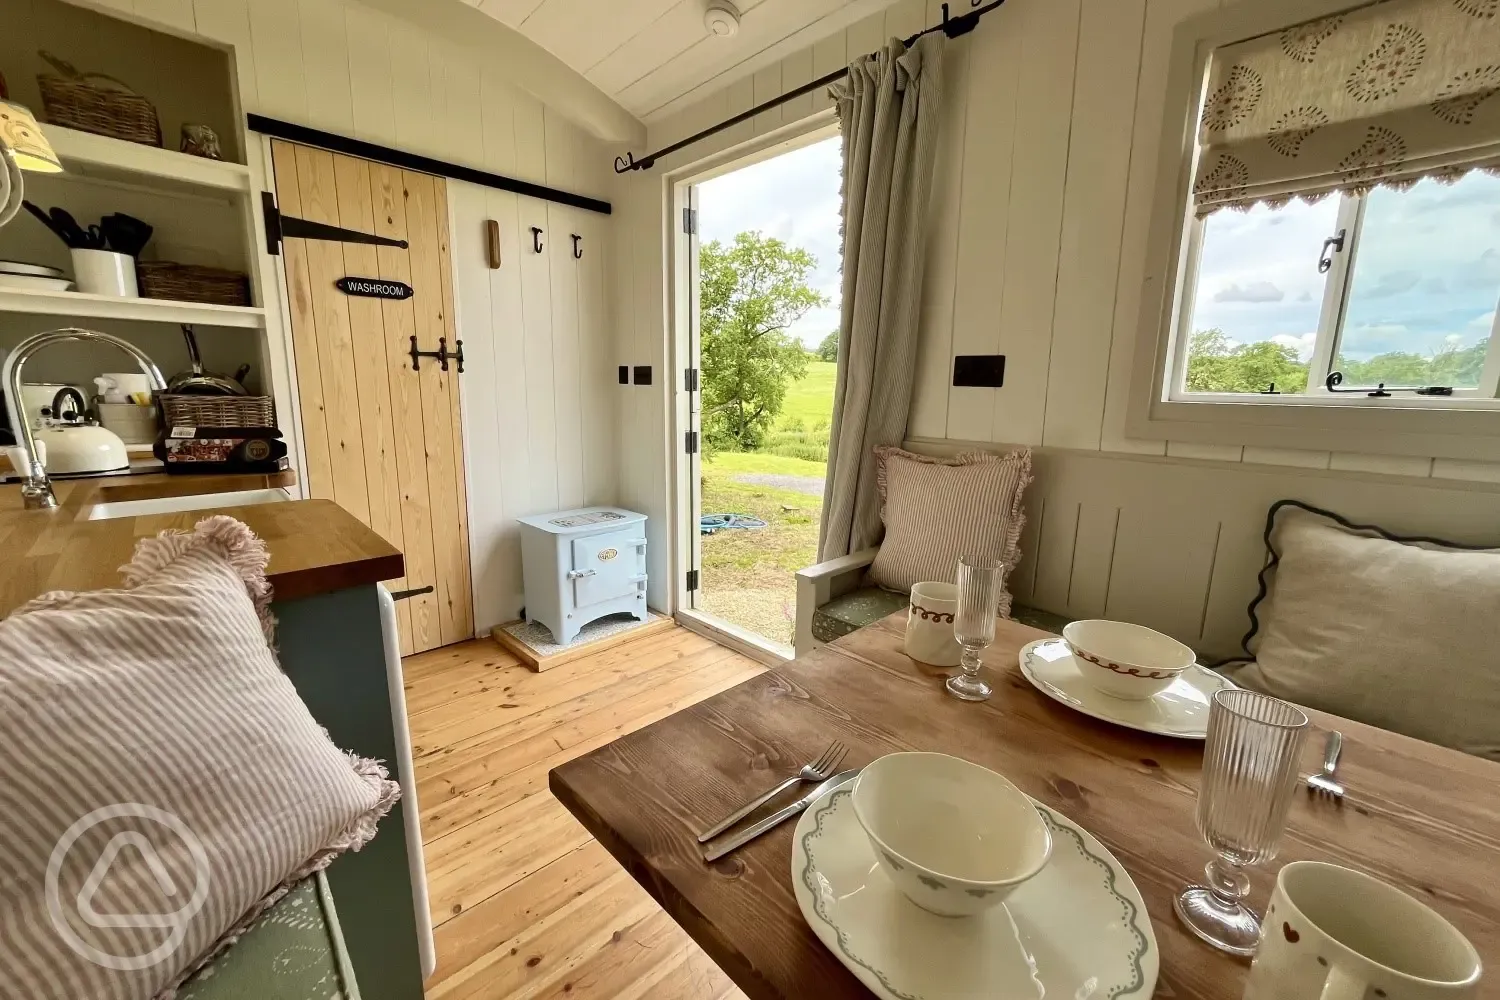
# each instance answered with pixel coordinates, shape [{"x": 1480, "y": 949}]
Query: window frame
[
  {"x": 1333, "y": 311},
  {"x": 1459, "y": 427}
]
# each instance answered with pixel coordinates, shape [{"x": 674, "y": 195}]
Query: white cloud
[
  {"x": 1302, "y": 343},
  {"x": 1484, "y": 322},
  {"x": 1255, "y": 291}
]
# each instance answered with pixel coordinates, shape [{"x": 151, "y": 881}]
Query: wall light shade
[{"x": 20, "y": 132}]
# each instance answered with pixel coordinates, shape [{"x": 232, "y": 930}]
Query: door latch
[
  {"x": 1325, "y": 256},
  {"x": 442, "y": 354},
  {"x": 578, "y": 574}
]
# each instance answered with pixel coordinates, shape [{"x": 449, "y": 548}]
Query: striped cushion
[
  {"x": 937, "y": 511},
  {"x": 162, "y": 782}
]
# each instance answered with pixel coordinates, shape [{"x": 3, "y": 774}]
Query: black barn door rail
[{"x": 333, "y": 142}]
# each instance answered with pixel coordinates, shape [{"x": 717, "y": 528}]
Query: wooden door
[{"x": 383, "y": 441}]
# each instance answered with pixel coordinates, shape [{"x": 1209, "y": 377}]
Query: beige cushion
[
  {"x": 1395, "y": 634},
  {"x": 937, "y": 511},
  {"x": 148, "y": 740}
]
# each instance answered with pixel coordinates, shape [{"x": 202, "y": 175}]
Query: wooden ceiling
[{"x": 652, "y": 54}]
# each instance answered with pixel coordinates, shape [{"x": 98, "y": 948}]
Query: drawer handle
[{"x": 575, "y": 574}]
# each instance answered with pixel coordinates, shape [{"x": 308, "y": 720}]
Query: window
[{"x": 1394, "y": 287}]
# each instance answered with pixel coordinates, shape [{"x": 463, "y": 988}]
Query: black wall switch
[
  {"x": 983, "y": 370},
  {"x": 642, "y": 374},
  {"x": 624, "y": 374}
]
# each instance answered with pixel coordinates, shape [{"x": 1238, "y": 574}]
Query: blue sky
[
  {"x": 795, "y": 198},
  {"x": 1427, "y": 272}
]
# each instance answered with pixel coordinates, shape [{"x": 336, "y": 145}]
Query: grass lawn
[{"x": 749, "y": 576}]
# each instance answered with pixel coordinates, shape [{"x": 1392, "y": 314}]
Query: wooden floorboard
[{"x": 528, "y": 906}]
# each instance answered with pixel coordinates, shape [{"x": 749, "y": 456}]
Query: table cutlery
[
  {"x": 749, "y": 833},
  {"x": 818, "y": 770},
  {"x": 1324, "y": 783}
]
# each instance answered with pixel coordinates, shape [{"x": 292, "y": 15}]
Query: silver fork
[
  {"x": 821, "y": 769},
  {"x": 1324, "y": 783}
]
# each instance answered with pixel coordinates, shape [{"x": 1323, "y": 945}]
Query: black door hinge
[
  {"x": 690, "y": 221},
  {"x": 280, "y": 227},
  {"x": 692, "y": 579},
  {"x": 690, "y": 380},
  {"x": 690, "y": 442},
  {"x": 403, "y": 595}
]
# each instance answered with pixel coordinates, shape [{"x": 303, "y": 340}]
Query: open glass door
[{"x": 692, "y": 390}]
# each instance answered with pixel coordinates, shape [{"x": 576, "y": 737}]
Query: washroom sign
[{"x": 374, "y": 288}]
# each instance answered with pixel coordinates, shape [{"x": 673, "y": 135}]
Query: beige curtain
[
  {"x": 888, "y": 114},
  {"x": 1383, "y": 94}
]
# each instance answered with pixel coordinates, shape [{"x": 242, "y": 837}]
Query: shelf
[
  {"x": 72, "y": 304},
  {"x": 88, "y": 155}
]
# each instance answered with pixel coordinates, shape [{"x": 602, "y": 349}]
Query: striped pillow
[
  {"x": 936, "y": 511},
  {"x": 162, "y": 782}
]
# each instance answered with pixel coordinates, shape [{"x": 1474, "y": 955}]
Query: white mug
[
  {"x": 929, "y": 625},
  {"x": 1332, "y": 933}
]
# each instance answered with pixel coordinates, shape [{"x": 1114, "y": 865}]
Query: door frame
[{"x": 682, "y": 350}]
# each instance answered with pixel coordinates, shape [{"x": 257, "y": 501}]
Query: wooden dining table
[{"x": 1420, "y": 816}]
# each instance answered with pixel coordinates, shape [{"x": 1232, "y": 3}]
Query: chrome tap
[{"x": 36, "y": 488}]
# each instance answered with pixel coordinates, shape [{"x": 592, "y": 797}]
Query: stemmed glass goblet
[
  {"x": 974, "y": 626},
  {"x": 1249, "y": 774}
]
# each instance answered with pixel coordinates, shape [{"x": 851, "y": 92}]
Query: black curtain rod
[
  {"x": 423, "y": 164},
  {"x": 953, "y": 27}
]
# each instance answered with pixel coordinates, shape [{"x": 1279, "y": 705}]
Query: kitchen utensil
[
  {"x": 103, "y": 272},
  {"x": 929, "y": 625},
  {"x": 819, "y": 770},
  {"x": 1180, "y": 710},
  {"x": 60, "y": 231},
  {"x": 79, "y": 447},
  {"x": 19, "y": 267},
  {"x": 742, "y": 837},
  {"x": 197, "y": 381},
  {"x": 34, "y": 283},
  {"x": 1078, "y": 929},
  {"x": 1337, "y": 934},
  {"x": 974, "y": 628},
  {"x": 1249, "y": 769},
  {"x": 125, "y": 233},
  {"x": 954, "y": 837},
  {"x": 68, "y": 228},
  {"x": 1324, "y": 783},
  {"x": 1125, "y": 660}
]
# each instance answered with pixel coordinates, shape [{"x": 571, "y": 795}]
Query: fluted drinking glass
[
  {"x": 1249, "y": 774},
  {"x": 974, "y": 627}
]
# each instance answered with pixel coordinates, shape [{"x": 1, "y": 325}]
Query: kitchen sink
[{"x": 170, "y": 505}]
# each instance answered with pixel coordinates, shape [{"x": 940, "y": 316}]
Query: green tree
[
  {"x": 828, "y": 350},
  {"x": 1451, "y": 366},
  {"x": 749, "y": 293},
  {"x": 1216, "y": 364}
]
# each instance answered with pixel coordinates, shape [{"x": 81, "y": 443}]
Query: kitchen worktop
[{"x": 316, "y": 546}]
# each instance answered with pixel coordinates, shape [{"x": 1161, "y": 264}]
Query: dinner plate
[
  {"x": 35, "y": 282},
  {"x": 22, "y": 267},
  {"x": 1078, "y": 929},
  {"x": 1179, "y": 710}
]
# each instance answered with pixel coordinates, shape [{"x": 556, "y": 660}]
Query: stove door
[{"x": 606, "y": 566}]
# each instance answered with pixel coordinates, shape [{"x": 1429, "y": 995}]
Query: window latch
[
  {"x": 1382, "y": 391},
  {"x": 1325, "y": 257}
]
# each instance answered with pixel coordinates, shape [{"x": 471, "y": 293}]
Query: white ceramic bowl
[
  {"x": 954, "y": 837},
  {"x": 1124, "y": 660}
]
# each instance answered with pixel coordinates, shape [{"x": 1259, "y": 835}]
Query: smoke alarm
[{"x": 721, "y": 18}]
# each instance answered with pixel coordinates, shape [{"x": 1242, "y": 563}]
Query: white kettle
[{"x": 71, "y": 445}]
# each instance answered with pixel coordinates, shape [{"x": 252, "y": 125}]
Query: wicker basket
[
  {"x": 161, "y": 279},
  {"x": 120, "y": 114},
  {"x": 182, "y": 410}
]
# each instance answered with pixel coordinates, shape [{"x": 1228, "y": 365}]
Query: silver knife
[{"x": 741, "y": 838}]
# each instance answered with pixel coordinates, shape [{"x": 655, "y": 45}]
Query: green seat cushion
[
  {"x": 854, "y": 610},
  {"x": 858, "y": 608},
  {"x": 290, "y": 953}
]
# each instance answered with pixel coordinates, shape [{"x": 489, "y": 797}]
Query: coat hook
[
  {"x": 536, "y": 239},
  {"x": 577, "y": 249}
]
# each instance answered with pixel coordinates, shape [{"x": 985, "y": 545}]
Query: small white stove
[{"x": 580, "y": 565}]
